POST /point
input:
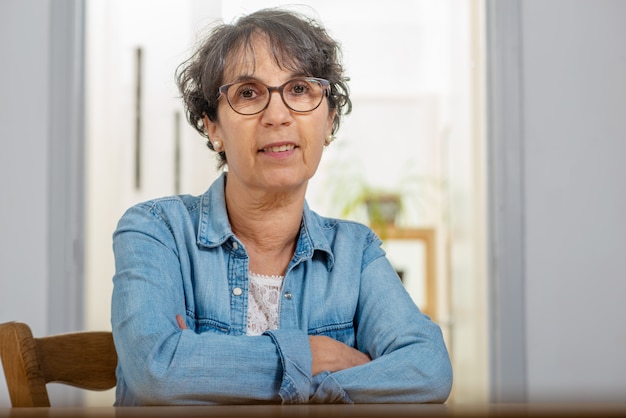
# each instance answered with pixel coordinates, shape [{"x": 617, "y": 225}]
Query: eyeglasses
[{"x": 252, "y": 97}]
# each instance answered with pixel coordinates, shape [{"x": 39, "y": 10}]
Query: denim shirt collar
[{"x": 214, "y": 228}]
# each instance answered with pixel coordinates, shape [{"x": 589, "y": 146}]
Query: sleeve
[
  {"x": 410, "y": 362},
  {"x": 162, "y": 364}
]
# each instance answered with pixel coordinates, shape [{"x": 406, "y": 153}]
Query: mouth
[{"x": 278, "y": 148}]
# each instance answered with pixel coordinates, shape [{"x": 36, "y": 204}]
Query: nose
[{"x": 276, "y": 112}]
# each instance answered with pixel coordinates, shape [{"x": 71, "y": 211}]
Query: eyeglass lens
[{"x": 300, "y": 95}]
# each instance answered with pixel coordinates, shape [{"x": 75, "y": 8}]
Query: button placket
[{"x": 237, "y": 277}]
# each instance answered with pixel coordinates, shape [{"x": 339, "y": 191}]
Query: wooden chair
[{"x": 85, "y": 360}]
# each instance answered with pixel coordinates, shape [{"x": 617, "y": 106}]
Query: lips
[{"x": 279, "y": 148}]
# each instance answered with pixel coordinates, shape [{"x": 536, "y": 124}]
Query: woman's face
[{"x": 277, "y": 150}]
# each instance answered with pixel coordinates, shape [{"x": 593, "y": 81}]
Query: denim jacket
[{"x": 178, "y": 255}]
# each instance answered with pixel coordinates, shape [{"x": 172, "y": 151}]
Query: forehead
[{"x": 243, "y": 60}]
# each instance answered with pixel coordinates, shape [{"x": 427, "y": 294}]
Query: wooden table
[{"x": 329, "y": 411}]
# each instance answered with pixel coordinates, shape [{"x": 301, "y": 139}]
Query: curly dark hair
[{"x": 298, "y": 43}]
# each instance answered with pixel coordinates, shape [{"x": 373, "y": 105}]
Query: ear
[
  {"x": 331, "y": 119},
  {"x": 210, "y": 127}
]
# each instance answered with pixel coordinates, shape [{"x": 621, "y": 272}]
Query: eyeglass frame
[{"x": 223, "y": 90}]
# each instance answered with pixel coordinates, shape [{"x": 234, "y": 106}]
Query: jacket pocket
[
  {"x": 210, "y": 325},
  {"x": 342, "y": 332}
]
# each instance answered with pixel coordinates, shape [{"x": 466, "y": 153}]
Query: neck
[{"x": 268, "y": 224}]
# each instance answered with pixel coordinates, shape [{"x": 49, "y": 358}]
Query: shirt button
[
  {"x": 235, "y": 245},
  {"x": 237, "y": 291},
  {"x": 287, "y": 295}
]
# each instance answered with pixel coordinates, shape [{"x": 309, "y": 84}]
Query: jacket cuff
[
  {"x": 295, "y": 355},
  {"x": 327, "y": 390}
]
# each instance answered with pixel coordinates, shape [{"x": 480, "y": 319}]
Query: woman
[{"x": 243, "y": 294}]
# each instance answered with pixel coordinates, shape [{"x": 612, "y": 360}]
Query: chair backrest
[{"x": 86, "y": 360}]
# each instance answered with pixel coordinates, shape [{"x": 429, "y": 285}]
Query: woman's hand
[
  {"x": 181, "y": 322},
  {"x": 332, "y": 355}
]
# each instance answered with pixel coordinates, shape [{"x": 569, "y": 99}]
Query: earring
[
  {"x": 217, "y": 146},
  {"x": 329, "y": 139}
]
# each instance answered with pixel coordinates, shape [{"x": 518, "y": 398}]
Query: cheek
[
  {"x": 225, "y": 129},
  {"x": 315, "y": 149}
]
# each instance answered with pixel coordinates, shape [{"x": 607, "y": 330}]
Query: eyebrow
[{"x": 246, "y": 77}]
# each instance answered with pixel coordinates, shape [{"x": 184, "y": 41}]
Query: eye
[
  {"x": 248, "y": 91},
  {"x": 299, "y": 88},
  {"x": 309, "y": 87}
]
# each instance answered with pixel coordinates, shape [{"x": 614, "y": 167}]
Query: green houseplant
[
  {"x": 352, "y": 196},
  {"x": 382, "y": 206}
]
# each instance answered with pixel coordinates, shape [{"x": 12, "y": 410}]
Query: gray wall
[
  {"x": 41, "y": 167},
  {"x": 24, "y": 164},
  {"x": 558, "y": 149}
]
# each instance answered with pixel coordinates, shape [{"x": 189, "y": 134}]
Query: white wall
[
  {"x": 165, "y": 31},
  {"x": 569, "y": 170}
]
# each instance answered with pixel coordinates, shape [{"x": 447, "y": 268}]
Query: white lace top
[{"x": 263, "y": 297}]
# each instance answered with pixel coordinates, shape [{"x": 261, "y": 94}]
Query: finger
[{"x": 181, "y": 322}]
